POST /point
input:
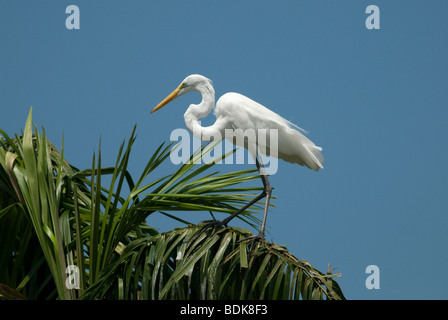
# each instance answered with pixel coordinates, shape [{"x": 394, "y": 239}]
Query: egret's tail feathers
[
  {"x": 317, "y": 157},
  {"x": 292, "y": 125},
  {"x": 307, "y": 154}
]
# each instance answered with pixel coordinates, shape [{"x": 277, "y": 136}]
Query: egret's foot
[
  {"x": 214, "y": 224},
  {"x": 254, "y": 239}
]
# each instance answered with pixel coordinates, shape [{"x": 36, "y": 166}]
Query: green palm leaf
[
  {"x": 53, "y": 215},
  {"x": 188, "y": 263}
]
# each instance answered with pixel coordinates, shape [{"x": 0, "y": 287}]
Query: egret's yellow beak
[{"x": 173, "y": 95}]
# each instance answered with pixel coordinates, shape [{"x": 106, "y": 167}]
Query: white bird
[{"x": 235, "y": 111}]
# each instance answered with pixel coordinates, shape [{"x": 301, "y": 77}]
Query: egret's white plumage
[
  {"x": 244, "y": 113},
  {"x": 236, "y": 111}
]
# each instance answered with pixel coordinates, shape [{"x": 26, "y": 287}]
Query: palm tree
[{"x": 64, "y": 235}]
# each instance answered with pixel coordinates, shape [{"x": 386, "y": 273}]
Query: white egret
[{"x": 235, "y": 111}]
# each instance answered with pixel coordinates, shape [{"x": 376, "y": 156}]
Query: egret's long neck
[{"x": 198, "y": 111}]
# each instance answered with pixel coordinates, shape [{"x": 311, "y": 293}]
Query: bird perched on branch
[{"x": 234, "y": 111}]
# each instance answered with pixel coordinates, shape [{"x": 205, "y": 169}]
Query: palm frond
[
  {"x": 188, "y": 263},
  {"x": 53, "y": 215},
  {"x": 78, "y": 221},
  {"x": 35, "y": 185}
]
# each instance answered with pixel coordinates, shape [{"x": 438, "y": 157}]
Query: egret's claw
[
  {"x": 256, "y": 238},
  {"x": 212, "y": 224}
]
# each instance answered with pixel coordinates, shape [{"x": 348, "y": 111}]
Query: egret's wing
[{"x": 245, "y": 113}]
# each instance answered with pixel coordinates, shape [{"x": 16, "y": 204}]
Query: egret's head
[{"x": 191, "y": 83}]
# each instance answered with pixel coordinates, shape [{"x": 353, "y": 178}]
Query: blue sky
[{"x": 375, "y": 100}]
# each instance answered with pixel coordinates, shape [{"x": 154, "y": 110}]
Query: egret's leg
[{"x": 266, "y": 193}]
